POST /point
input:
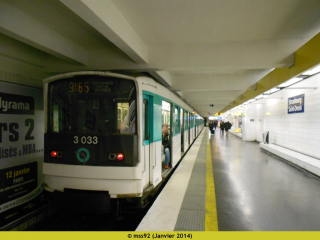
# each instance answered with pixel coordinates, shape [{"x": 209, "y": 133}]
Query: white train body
[{"x": 119, "y": 181}]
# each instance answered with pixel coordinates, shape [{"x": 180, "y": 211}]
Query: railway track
[
  {"x": 65, "y": 220},
  {"x": 76, "y": 221}
]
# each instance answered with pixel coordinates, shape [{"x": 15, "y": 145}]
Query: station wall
[{"x": 297, "y": 131}]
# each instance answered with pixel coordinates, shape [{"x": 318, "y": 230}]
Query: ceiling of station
[{"x": 206, "y": 51}]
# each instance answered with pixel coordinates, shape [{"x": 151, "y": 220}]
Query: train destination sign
[
  {"x": 90, "y": 86},
  {"x": 296, "y": 104}
]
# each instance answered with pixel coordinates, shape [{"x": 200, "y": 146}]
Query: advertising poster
[{"x": 21, "y": 151}]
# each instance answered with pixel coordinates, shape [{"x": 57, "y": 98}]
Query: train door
[
  {"x": 176, "y": 136},
  {"x": 195, "y": 125},
  {"x": 185, "y": 123},
  {"x": 146, "y": 140},
  {"x": 167, "y": 120},
  {"x": 189, "y": 127},
  {"x": 182, "y": 130}
]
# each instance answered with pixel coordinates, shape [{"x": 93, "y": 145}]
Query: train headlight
[
  {"x": 120, "y": 156},
  {"x": 57, "y": 154},
  {"x": 54, "y": 154},
  {"x": 116, "y": 156}
]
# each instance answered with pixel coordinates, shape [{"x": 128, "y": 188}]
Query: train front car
[{"x": 91, "y": 141}]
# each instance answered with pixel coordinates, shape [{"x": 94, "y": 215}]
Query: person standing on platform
[
  {"x": 211, "y": 127},
  {"x": 166, "y": 144},
  {"x": 221, "y": 127},
  {"x": 215, "y": 124},
  {"x": 227, "y": 126}
]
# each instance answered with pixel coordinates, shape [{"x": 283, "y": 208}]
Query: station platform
[{"x": 226, "y": 184}]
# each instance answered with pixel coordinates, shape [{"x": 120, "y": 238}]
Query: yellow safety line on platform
[{"x": 211, "y": 223}]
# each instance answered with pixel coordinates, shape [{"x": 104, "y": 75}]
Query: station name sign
[
  {"x": 16, "y": 104},
  {"x": 296, "y": 104}
]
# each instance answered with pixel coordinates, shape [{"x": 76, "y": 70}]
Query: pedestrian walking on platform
[
  {"x": 227, "y": 126},
  {"x": 215, "y": 124},
  {"x": 221, "y": 127},
  {"x": 211, "y": 127}
]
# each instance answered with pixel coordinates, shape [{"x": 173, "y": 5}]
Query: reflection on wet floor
[{"x": 256, "y": 190}]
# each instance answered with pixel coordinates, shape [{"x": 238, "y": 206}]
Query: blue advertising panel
[
  {"x": 296, "y": 104},
  {"x": 21, "y": 151}
]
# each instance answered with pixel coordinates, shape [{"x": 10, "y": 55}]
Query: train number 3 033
[{"x": 85, "y": 140}]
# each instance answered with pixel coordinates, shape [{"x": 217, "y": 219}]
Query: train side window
[
  {"x": 182, "y": 130},
  {"x": 176, "y": 119},
  {"x": 56, "y": 125},
  {"x": 119, "y": 114},
  {"x": 60, "y": 117},
  {"x": 123, "y": 117},
  {"x": 181, "y": 120},
  {"x": 145, "y": 125},
  {"x": 166, "y": 110}
]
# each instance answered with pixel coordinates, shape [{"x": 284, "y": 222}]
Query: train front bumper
[{"x": 118, "y": 182}]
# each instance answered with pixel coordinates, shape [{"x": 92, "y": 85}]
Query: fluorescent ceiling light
[
  {"x": 259, "y": 96},
  {"x": 290, "y": 82},
  {"x": 265, "y": 95},
  {"x": 272, "y": 90},
  {"x": 251, "y": 100},
  {"x": 312, "y": 71}
]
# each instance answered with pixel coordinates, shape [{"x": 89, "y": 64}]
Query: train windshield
[{"x": 92, "y": 105}]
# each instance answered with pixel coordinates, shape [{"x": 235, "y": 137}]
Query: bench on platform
[
  {"x": 236, "y": 134},
  {"x": 306, "y": 162}
]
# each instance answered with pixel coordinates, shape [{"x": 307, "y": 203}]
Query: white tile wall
[{"x": 300, "y": 131}]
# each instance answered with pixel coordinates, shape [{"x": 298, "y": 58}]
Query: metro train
[{"x": 103, "y": 138}]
